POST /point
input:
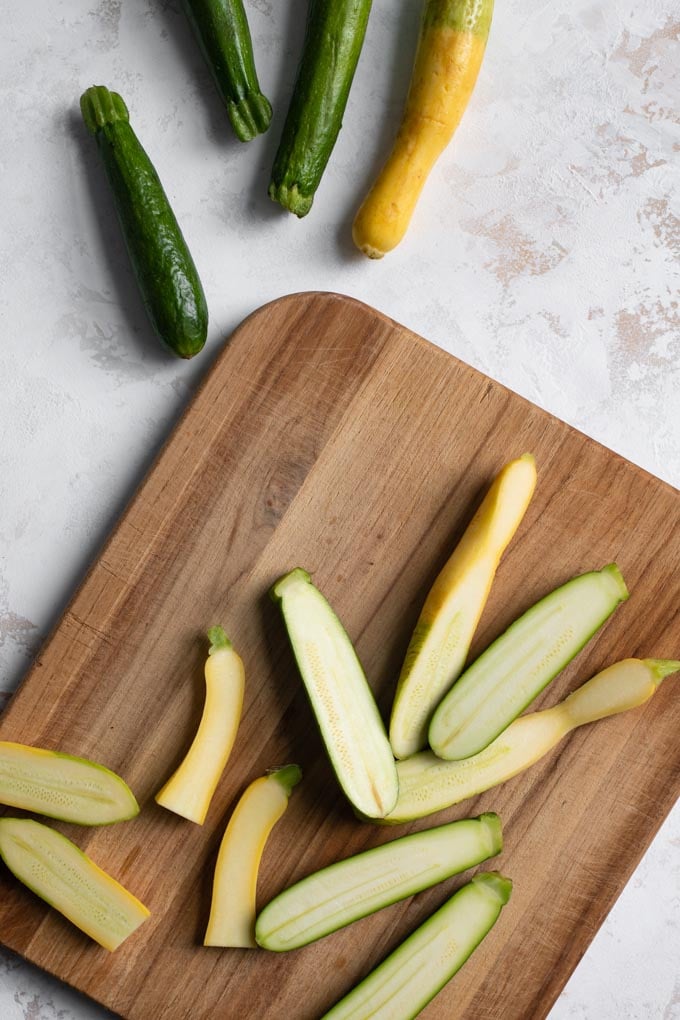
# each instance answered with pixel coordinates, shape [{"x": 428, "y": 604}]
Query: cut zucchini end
[
  {"x": 661, "y": 668},
  {"x": 292, "y": 578},
  {"x": 250, "y": 116},
  {"x": 218, "y": 640},
  {"x": 100, "y": 107},
  {"x": 494, "y": 831},
  {"x": 291, "y": 198},
  {"x": 495, "y": 884},
  {"x": 618, "y": 585}
]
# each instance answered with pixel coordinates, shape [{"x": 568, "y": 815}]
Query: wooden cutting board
[{"x": 328, "y": 436}]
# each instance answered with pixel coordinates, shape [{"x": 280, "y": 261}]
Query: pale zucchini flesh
[
  {"x": 516, "y": 667},
  {"x": 348, "y": 890},
  {"x": 57, "y": 871},
  {"x": 232, "y": 912},
  {"x": 61, "y": 786},
  {"x": 190, "y": 789},
  {"x": 439, "y": 646},
  {"x": 428, "y": 784},
  {"x": 342, "y": 701},
  {"x": 410, "y": 977}
]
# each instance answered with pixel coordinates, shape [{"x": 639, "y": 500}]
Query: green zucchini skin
[
  {"x": 222, "y": 30},
  {"x": 402, "y": 985},
  {"x": 165, "y": 271},
  {"x": 333, "y": 40},
  {"x": 348, "y": 890},
  {"x": 515, "y": 668}
]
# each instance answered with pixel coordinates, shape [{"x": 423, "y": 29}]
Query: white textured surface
[{"x": 545, "y": 253}]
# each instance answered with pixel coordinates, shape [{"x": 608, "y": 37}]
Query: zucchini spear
[
  {"x": 221, "y": 27},
  {"x": 516, "y": 667},
  {"x": 448, "y": 620},
  {"x": 403, "y": 984},
  {"x": 343, "y": 892},
  {"x": 232, "y": 913},
  {"x": 428, "y": 784},
  {"x": 190, "y": 789},
  {"x": 342, "y": 701}
]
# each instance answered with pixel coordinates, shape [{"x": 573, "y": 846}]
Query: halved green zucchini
[
  {"x": 55, "y": 869},
  {"x": 61, "y": 786},
  {"x": 428, "y": 784},
  {"x": 343, "y": 892},
  {"x": 516, "y": 667},
  {"x": 343, "y": 704},
  {"x": 410, "y": 977},
  {"x": 439, "y": 646}
]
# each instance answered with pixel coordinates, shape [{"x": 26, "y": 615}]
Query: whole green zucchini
[
  {"x": 333, "y": 40},
  {"x": 165, "y": 271},
  {"x": 221, "y": 27}
]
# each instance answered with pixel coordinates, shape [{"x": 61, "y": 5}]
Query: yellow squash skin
[
  {"x": 450, "y": 53},
  {"x": 439, "y": 646},
  {"x": 428, "y": 784},
  {"x": 232, "y": 913},
  {"x": 190, "y": 789}
]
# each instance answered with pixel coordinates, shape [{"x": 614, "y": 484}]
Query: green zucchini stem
[
  {"x": 250, "y": 116},
  {"x": 100, "y": 107}
]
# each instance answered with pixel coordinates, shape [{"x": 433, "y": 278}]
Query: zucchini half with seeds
[
  {"x": 165, "y": 271},
  {"x": 403, "y": 984},
  {"x": 348, "y": 890},
  {"x": 61, "y": 786},
  {"x": 55, "y": 869},
  {"x": 428, "y": 784},
  {"x": 341, "y": 699},
  {"x": 516, "y": 667}
]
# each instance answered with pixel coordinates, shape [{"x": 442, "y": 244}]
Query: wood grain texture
[{"x": 329, "y": 437}]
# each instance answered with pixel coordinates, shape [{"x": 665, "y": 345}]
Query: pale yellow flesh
[
  {"x": 428, "y": 784},
  {"x": 440, "y": 643},
  {"x": 190, "y": 789},
  {"x": 62, "y": 875},
  {"x": 444, "y": 76},
  {"x": 232, "y": 913},
  {"x": 402, "y": 985},
  {"x": 341, "y": 699},
  {"x": 62, "y": 786}
]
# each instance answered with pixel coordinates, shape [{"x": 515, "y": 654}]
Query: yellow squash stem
[
  {"x": 232, "y": 914},
  {"x": 428, "y": 784},
  {"x": 440, "y": 642},
  {"x": 450, "y": 51},
  {"x": 189, "y": 790}
]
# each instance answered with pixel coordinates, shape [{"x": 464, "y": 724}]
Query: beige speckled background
[{"x": 545, "y": 252}]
